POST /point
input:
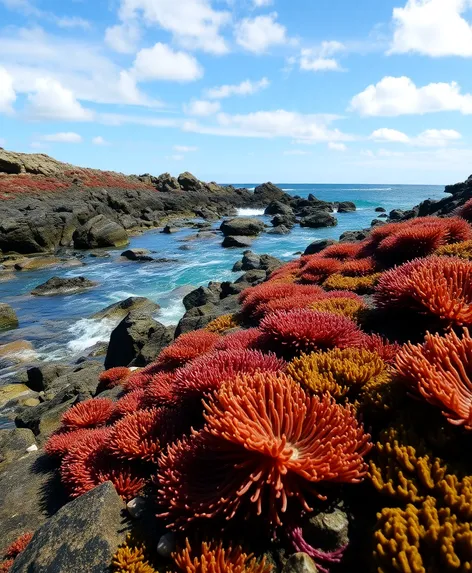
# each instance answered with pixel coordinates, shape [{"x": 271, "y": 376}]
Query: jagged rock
[
  {"x": 346, "y": 207},
  {"x": 41, "y": 376},
  {"x": 82, "y": 536},
  {"x": 166, "y": 183},
  {"x": 328, "y": 530},
  {"x": 14, "y": 444},
  {"x": 380, "y": 210},
  {"x": 189, "y": 182},
  {"x": 236, "y": 242},
  {"x": 319, "y": 219},
  {"x": 119, "y": 310},
  {"x": 36, "y": 263},
  {"x": 59, "y": 286},
  {"x": 8, "y": 318},
  {"x": 353, "y": 236},
  {"x": 279, "y": 208},
  {"x": 268, "y": 192},
  {"x": 80, "y": 380},
  {"x": 199, "y": 317},
  {"x": 141, "y": 255},
  {"x": 30, "y": 492},
  {"x": 200, "y": 297},
  {"x": 242, "y": 226},
  {"x": 396, "y": 214},
  {"x": 283, "y": 220},
  {"x": 252, "y": 277},
  {"x": 136, "y": 341},
  {"x": 100, "y": 232},
  {"x": 377, "y": 223},
  {"x": 36, "y": 163},
  {"x": 318, "y": 246},
  {"x": 10, "y": 392},
  {"x": 251, "y": 261},
  {"x": 300, "y": 563}
]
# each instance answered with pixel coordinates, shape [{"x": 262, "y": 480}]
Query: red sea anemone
[
  {"x": 114, "y": 376},
  {"x": 384, "y": 348},
  {"x": 253, "y": 299},
  {"x": 187, "y": 347},
  {"x": 265, "y": 445},
  {"x": 18, "y": 546},
  {"x": 440, "y": 370},
  {"x": 160, "y": 391},
  {"x": 60, "y": 443},
  {"x": 343, "y": 251},
  {"x": 89, "y": 414},
  {"x": 358, "y": 267},
  {"x": 242, "y": 339},
  {"x": 315, "y": 269},
  {"x": 292, "y": 332},
  {"x": 129, "y": 403}
]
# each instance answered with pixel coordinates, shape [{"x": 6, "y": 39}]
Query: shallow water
[{"x": 60, "y": 327}]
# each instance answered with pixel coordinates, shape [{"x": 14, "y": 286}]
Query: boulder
[
  {"x": 167, "y": 183},
  {"x": 59, "y": 286},
  {"x": 200, "y": 297},
  {"x": 14, "y": 444},
  {"x": 42, "y": 375},
  {"x": 8, "y": 318},
  {"x": 346, "y": 207},
  {"x": 353, "y": 236},
  {"x": 242, "y": 226},
  {"x": 35, "y": 263},
  {"x": 300, "y": 563},
  {"x": 396, "y": 214},
  {"x": 279, "y": 208},
  {"x": 380, "y": 210},
  {"x": 252, "y": 277},
  {"x": 100, "y": 232},
  {"x": 328, "y": 531},
  {"x": 119, "y": 310},
  {"x": 283, "y": 220},
  {"x": 141, "y": 255},
  {"x": 319, "y": 219},
  {"x": 189, "y": 182},
  {"x": 199, "y": 317},
  {"x": 10, "y": 392},
  {"x": 170, "y": 229},
  {"x": 318, "y": 246},
  {"x": 236, "y": 242},
  {"x": 251, "y": 261},
  {"x": 268, "y": 192},
  {"x": 137, "y": 340},
  {"x": 279, "y": 230},
  {"x": 82, "y": 536}
]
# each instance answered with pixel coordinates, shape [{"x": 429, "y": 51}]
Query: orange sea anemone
[
  {"x": 240, "y": 340},
  {"x": 114, "y": 376},
  {"x": 187, "y": 347},
  {"x": 88, "y": 414}
]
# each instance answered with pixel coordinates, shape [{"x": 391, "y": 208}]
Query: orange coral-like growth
[
  {"x": 5, "y": 566},
  {"x": 18, "y": 546},
  {"x": 363, "y": 284},
  {"x": 129, "y": 403},
  {"x": 187, "y": 347},
  {"x": 89, "y": 414},
  {"x": 214, "y": 558},
  {"x": 462, "y": 250},
  {"x": 358, "y": 267},
  {"x": 61, "y": 442},
  {"x": 114, "y": 376},
  {"x": 344, "y": 306},
  {"x": 160, "y": 391},
  {"x": 223, "y": 323},
  {"x": 130, "y": 558},
  {"x": 439, "y": 370},
  {"x": 384, "y": 348}
]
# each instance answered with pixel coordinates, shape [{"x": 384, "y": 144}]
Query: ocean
[{"x": 60, "y": 328}]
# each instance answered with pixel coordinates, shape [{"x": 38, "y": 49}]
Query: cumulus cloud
[
  {"x": 246, "y": 87},
  {"x": 7, "y": 93},
  {"x": 202, "y": 108},
  {"x": 163, "y": 63},
  {"x": 123, "y": 38},
  {"x": 99, "y": 140},
  {"x": 320, "y": 59},
  {"x": 69, "y": 22},
  {"x": 337, "y": 146},
  {"x": 258, "y": 34},
  {"x": 194, "y": 24},
  {"x": 63, "y": 137},
  {"x": 386, "y": 134},
  {"x": 394, "y": 96},
  {"x": 433, "y": 28},
  {"x": 51, "y": 100},
  {"x": 428, "y": 138}
]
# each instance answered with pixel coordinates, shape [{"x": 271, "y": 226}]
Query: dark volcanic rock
[
  {"x": 137, "y": 340},
  {"x": 199, "y": 317},
  {"x": 283, "y": 221},
  {"x": 318, "y": 246},
  {"x": 380, "y": 210},
  {"x": 319, "y": 219},
  {"x": 252, "y": 277},
  {"x": 268, "y": 192},
  {"x": 346, "y": 207},
  {"x": 81, "y": 536},
  {"x": 396, "y": 214},
  {"x": 200, "y": 297},
  {"x": 279, "y": 230},
  {"x": 59, "y": 286},
  {"x": 236, "y": 242},
  {"x": 100, "y": 232},
  {"x": 251, "y": 261},
  {"x": 353, "y": 236},
  {"x": 8, "y": 318},
  {"x": 119, "y": 310},
  {"x": 39, "y": 377},
  {"x": 242, "y": 226},
  {"x": 279, "y": 208},
  {"x": 189, "y": 182},
  {"x": 140, "y": 255}
]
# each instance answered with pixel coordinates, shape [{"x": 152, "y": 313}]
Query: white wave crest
[
  {"x": 88, "y": 332},
  {"x": 250, "y": 212}
]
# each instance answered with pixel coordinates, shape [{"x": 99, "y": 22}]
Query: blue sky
[{"x": 320, "y": 91}]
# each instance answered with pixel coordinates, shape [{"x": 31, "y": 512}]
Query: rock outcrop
[{"x": 59, "y": 286}]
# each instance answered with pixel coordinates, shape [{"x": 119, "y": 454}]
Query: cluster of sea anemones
[{"x": 264, "y": 419}]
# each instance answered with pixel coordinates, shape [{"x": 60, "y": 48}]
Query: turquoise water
[{"x": 61, "y": 328}]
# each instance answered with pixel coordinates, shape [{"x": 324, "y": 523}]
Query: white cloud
[
  {"x": 400, "y": 96},
  {"x": 320, "y": 59},
  {"x": 258, "y": 34},
  {"x": 176, "y": 157},
  {"x": 53, "y": 101},
  {"x": 202, "y": 108},
  {"x": 337, "y": 146},
  {"x": 163, "y": 63},
  {"x": 262, "y": 3},
  {"x": 63, "y": 137},
  {"x": 297, "y": 152},
  {"x": 244, "y": 88},
  {"x": 433, "y": 28},
  {"x": 386, "y": 134},
  {"x": 24, "y": 6},
  {"x": 193, "y": 23},
  {"x": 303, "y": 128},
  {"x": 69, "y": 22},
  {"x": 123, "y": 38},
  {"x": 3, "y": 142},
  {"x": 7, "y": 92},
  {"x": 185, "y": 148},
  {"x": 99, "y": 140}
]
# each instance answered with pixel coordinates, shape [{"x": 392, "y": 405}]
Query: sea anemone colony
[{"x": 343, "y": 384}]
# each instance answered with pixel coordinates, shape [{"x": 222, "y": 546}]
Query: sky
[{"x": 299, "y": 91}]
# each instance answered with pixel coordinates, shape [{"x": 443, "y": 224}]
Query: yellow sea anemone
[
  {"x": 355, "y": 284},
  {"x": 223, "y": 323}
]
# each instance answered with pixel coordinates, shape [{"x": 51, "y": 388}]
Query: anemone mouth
[{"x": 293, "y": 451}]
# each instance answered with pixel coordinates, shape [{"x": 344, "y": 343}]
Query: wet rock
[
  {"x": 14, "y": 444},
  {"x": 120, "y": 309},
  {"x": 268, "y": 192},
  {"x": 279, "y": 208},
  {"x": 200, "y": 316},
  {"x": 236, "y": 242},
  {"x": 283, "y": 221},
  {"x": 81, "y": 380},
  {"x": 100, "y": 232},
  {"x": 44, "y": 419},
  {"x": 251, "y": 261},
  {"x": 17, "y": 351},
  {"x": 41, "y": 376},
  {"x": 8, "y": 318},
  {"x": 318, "y": 246},
  {"x": 383, "y": 215},
  {"x": 9, "y": 392},
  {"x": 396, "y": 214},
  {"x": 81, "y": 536},
  {"x": 137, "y": 340},
  {"x": 36, "y": 263},
  {"x": 346, "y": 207},
  {"x": 318, "y": 220},
  {"x": 353, "y": 236},
  {"x": 242, "y": 226},
  {"x": 166, "y": 545},
  {"x": 200, "y": 297},
  {"x": 170, "y": 229},
  {"x": 30, "y": 492},
  {"x": 328, "y": 530},
  {"x": 279, "y": 230},
  {"x": 252, "y": 277},
  {"x": 377, "y": 223},
  {"x": 300, "y": 563},
  {"x": 380, "y": 210},
  {"x": 100, "y": 254},
  {"x": 59, "y": 286},
  {"x": 140, "y": 255}
]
